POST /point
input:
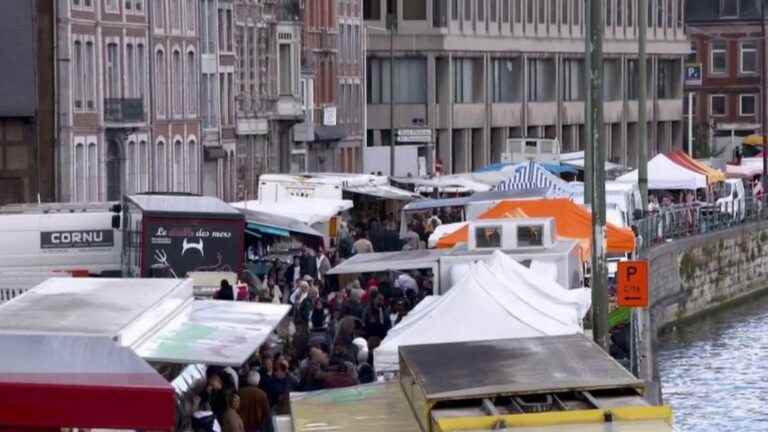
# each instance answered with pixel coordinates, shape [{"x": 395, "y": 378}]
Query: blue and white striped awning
[{"x": 530, "y": 175}]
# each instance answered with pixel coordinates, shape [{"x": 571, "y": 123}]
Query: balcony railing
[{"x": 124, "y": 110}]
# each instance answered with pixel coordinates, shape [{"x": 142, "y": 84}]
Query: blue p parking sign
[{"x": 693, "y": 74}]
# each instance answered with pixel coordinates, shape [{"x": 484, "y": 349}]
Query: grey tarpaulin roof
[
  {"x": 330, "y": 133},
  {"x": 281, "y": 222},
  {"x": 521, "y": 366},
  {"x": 476, "y": 197},
  {"x": 189, "y": 205}
]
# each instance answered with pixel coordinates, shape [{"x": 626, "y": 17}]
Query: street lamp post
[
  {"x": 763, "y": 99},
  {"x": 392, "y": 27}
]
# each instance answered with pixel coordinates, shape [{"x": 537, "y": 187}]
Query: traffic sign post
[{"x": 632, "y": 284}]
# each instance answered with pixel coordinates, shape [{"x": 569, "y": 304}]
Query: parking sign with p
[{"x": 632, "y": 284}]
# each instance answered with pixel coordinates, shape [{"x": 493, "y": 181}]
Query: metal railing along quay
[{"x": 680, "y": 221}]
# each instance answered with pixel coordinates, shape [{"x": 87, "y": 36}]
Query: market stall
[
  {"x": 492, "y": 304},
  {"x": 532, "y": 175},
  {"x": 56, "y": 381},
  {"x": 572, "y": 222},
  {"x": 666, "y": 174}
]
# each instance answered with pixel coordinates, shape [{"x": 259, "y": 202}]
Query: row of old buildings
[{"x": 106, "y": 97}]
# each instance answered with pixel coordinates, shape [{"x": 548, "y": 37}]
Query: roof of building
[{"x": 186, "y": 205}]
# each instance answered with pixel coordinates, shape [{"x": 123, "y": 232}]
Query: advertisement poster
[{"x": 174, "y": 248}]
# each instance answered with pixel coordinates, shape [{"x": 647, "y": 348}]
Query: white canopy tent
[
  {"x": 663, "y": 173},
  {"x": 489, "y": 306},
  {"x": 307, "y": 210}
]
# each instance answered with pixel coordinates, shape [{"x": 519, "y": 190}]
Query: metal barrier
[{"x": 679, "y": 221}]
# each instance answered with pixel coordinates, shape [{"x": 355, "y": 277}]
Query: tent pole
[{"x": 587, "y": 138}]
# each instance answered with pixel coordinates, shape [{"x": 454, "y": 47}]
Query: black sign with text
[
  {"x": 175, "y": 248},
  {"x": 85, "y": 239}
]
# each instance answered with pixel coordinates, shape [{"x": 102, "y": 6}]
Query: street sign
[
  {"x": 414, "y": 135},
  {"x": 693, "y": 74},
  {"x": 632, "y": 284},
  {"x": 329, "y": 116}
]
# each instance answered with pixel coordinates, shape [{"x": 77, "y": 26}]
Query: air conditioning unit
[
  {"x": 525, "y": 149},
  {"x": 511, "y": 234}
]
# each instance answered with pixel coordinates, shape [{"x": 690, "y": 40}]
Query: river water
[{"x": 714, "y": 370}]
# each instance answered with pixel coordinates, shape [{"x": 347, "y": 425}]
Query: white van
[{"x": 622, "y": 197}]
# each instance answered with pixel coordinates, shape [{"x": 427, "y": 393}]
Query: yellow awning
[{"x": 753, "y": 140}]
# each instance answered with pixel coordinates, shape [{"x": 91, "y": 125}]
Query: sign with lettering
[
  {"x": 85, "y": 239},
  {"x": 693, "y": 74},
  {"x": 632, "y": 284},
  {"x": 172, "y": 249}
]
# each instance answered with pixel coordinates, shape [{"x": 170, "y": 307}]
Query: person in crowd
[
  {"x": 406, "y": 283},
  {"x": 366, "y": 374},
  {"x": 254, "y": 409},
  {"x": 279, "y": 385},
  {"x": 293, "y": 273},
  {"x": 376, "y": 317},
  {"x": 411, "y": 240},
  {"x": 300, "y": 291},
  {"x": 318, "y": 316},
  {"x": 353, "y": 306},
  {"x": 340, "y": 374},
  {"x": 362, "y": 245},
  {"x": 230, "y": 420},
  {"x": 225, "y": 292},
  {"x": 322, "y": 263},
  {"x": 314, "y": 372},
  {"x": 275, "y": 294},
  {"x": 653, "y": 204}
]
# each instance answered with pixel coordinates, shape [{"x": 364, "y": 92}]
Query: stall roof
[
  {"x": 80, "y": 381},
  {"x": 425, "y": 258},
  {"x": 384, "y": 409},
  {"x": 91, "y": 306},
  {"x": 521, "y": 366},
  {"x": 186, "y": 205},
  {"x": 263, "y": 219},
  {"x": 477, "y": 197},
  {"x": 307, "y": 210},
  {"x": 663, "y": 173},
  {"x": 463, "y": 182},
  {"x": 383, "y": 192},
  {"x": 223, "y": 333}
]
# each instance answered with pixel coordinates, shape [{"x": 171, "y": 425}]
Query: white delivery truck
[
  {"x": 621, "y": 198},
  {"x": 733, "y": 199},
  {"x": 75, "y": 239}
]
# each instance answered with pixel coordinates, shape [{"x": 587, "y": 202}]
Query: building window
[
  {"x": 609, "y": 13},
  {"x": 176, "y": 83},
  {"x": 507, "y": 80},
  {"x": 577, "y": 12},
  {"x": 630, "y": 13},
  {"x": 113, "y": 71},
  {"x": 139, "y": 6},
  {"x": 110, "y": 6},
  {"x": 660, "y": 13},
  {"x": 143, "y": 170},
  {"x": 541, "y": 75},
  {"x": 747, "y": 105},
  {"x": 130, "y": 70},
  {"x": 130, "y": 174},
  {"x": 454, "y": 10},
  {"x": 619, "y": 13},
  {"x": 415, "y": 10},
  {"x": 286, "y": 69},
  {"x": 372, "y": 10},
  {"x": 161, "y": 167},
  {"x": 542, "y": 11},
  {"x": 719, "y": 60},
  {"x": 191, "y": 15},
  {"x": 191, "y": 83},
  {"x": 229, "y": 30},
  {"x": 162, "y": 83},
  {"x": 80, "y": 78},
  {"x": 718, "y": 105},
  {"x": 467, "y": 80},
  {"x": 529, "y": 11},
  {"x": 748, "y": 57},
  {"x": 192, "y": 164},
  {"x": 505, "y": 10},
  {"x": 480, "y": 11},
  {"x": 93, "y": 173},
  {"x": 611, "y": 80},
  {"x": 573, "y": 80},
  {"x": 467, "y": 10},
  {"x": 410, "y": 80},
  {"x": 159, "y": 13},
  {"x": 494, "y": 11},
  {"x": 667, "y": 79},
  {"x": 564, "y": 17},
  {"x": 79, "y": 180},
  {"x": 140, "y": 70},
  {"x": 553, "y": 12},
  {"x": 177, "y": 15},
  {"x": 178, "y": 166},
  {"x": 728, "y": 8}
]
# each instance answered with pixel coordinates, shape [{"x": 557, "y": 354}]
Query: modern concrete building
[
  {"x": 725, "y": 47},
  {"x": 477, "y": 72},
  {"x": 331, "y": 137},
  {"x": 27, "y": 119}
]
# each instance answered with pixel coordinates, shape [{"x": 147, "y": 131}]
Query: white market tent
[
  {"x": 663, "y": 173},
  {"x": 307, "y": 210},
  {"x": 484, "y": 306},
  {"x": 157, "y": 318}
]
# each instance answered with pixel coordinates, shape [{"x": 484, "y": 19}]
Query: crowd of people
[{"x": 327, "y": 341}]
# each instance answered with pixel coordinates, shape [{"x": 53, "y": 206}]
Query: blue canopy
[{"x": 553, "y": 168}]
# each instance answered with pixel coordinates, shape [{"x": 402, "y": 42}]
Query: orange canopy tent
[
  {"x": 572, "y": 221},
  {"x": 681, "y": 158}
]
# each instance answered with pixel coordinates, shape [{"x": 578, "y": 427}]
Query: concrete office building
[
  {"x": 27, "y": 119},
  {"x": 477, "y": 72}
]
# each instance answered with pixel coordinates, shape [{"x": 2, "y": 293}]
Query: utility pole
[
  {"x": 599, "y": 281},
  {"x": 763, "y": 99},
  {"x": 392, "y": 26},
  {"x": 587, "y": 105},
  {"x": 642, "y": 96}
]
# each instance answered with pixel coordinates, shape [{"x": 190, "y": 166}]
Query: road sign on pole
[{"x": 632, "y": 284}]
